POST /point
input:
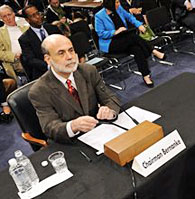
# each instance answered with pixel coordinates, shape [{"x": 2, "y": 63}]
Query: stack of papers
[{"x": 97, "y": 137}]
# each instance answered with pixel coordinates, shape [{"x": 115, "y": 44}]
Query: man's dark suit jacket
[
  {"x": 181, "y": 13},
  {"x": 32, "y": 57},
  {"x": 55, "y": 106}
]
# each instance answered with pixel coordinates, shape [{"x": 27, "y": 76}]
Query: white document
[
  {"x": 158, "y": 154},
  {"x": 45, "y": 184},
  {"x": 95, "y": 60},
  {"x": 97, "y": 137}
]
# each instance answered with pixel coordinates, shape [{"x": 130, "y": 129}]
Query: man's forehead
[
  {"x": 6, "y": 10},
  {"x": 31, "y": 10},
  {"x": 61, "y": 46}
]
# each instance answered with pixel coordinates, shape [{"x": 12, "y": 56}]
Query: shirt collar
[
  {"x": 37, "y": 29},
  {"x": 62, "y": 79}
]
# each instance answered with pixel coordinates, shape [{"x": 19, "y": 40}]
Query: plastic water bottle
[
  {"x": 19, "y": 175},
  {"x": 25, "y": 162}
]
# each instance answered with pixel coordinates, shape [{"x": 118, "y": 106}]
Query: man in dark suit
[
  {"x": 185, "y": 12},
  {"x": 65, "y": 110},
  {"x": 30, "y": 42}
]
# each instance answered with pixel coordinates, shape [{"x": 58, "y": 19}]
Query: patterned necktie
[
  {"x": 72, "y": 91},
  {"x": 42, "y": 33}
]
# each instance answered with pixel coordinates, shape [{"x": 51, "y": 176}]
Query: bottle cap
[
  {"x": 44, "y": 163},
  {"x": 18, "y": 153}
]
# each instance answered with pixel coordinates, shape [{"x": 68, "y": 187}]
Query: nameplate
[{"x": 158, "y": 154}]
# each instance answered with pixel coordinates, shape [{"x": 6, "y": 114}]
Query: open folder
[{"x": 97, "y": 137}]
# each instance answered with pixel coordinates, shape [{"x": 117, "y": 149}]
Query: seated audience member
[
  {"x": 139, "y": 8},
  {"x": 111, "y": 27},
  {"x": 17, "y": 5},
  {"x": 185, "y": 12},
  {"x": 57, "y": 12},
  {"x": 79, "y": 39},
  {"x": 70, "y": 98},
  {"x": 10, "y": 50},
  {"x": 30, "y": 42},
  {"x": 134, "y": 7},
  {"x": 7, "y": 85}
]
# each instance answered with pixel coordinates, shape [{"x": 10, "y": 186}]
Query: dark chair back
[
  {"x": 25, "y": 113},
  {"x": 80, "y": 26},
  {"x": 81, "y": 43},
  {"x": 158, "y": 18}
]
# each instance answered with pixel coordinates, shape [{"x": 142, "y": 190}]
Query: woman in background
[{"x": 111, "y": 27}]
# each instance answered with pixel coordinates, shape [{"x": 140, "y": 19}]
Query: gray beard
[{"x": 62, "y": 69}]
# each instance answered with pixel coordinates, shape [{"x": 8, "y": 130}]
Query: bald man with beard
[{"x": 61, "y": 116}]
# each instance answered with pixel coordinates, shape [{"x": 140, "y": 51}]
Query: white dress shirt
[
  {"x": 14, "y": 34},
  {"x": 191, "y": 1},
  {"x": 37, "y": 31}
]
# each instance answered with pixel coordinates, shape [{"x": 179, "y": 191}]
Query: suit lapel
[
  {"x": 62, "y": 93},
  {"x": 35, "y": 41},
  {"x": 23, "y": 28},
  {"x": 6, "y": 37},
  {"x": 107, "y": 17},
  {"x": 82, "y": 91}
]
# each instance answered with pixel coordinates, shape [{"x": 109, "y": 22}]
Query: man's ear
[{"x": 47, "y": 59}]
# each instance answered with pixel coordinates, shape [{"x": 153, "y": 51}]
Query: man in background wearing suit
[
  {"x": 70, "y": 98},
  {"x": 185, "y": 12},
  {"x": 30, "y": 42},
  {"x": 10, "y": 51}
]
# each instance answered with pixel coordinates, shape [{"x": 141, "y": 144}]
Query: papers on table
[
  {"x": 97, "y": 137},
  {"x": 46, "y": 184}
]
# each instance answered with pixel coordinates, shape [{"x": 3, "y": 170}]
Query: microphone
[{"x": 113, "y": 100}]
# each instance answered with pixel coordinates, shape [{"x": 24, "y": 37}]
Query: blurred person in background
[
  {"x": 30, "y": 42},
  {"x": 10, "y": 50},
  {"x": 111, "y": 27},
  {"x": 57, "y": 12},
  {"x": 7, "y": 85},
  {"x": 185, "y": 12}
]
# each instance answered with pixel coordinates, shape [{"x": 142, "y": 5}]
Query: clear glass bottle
[
  {"x": 26, "y": 163},
  {"x": 20, "y": 176}
]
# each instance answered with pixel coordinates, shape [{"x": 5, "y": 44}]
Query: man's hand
[
  {"x": 142, "y": 29},
  {"x": 121, "y": 29},
  {"x": 63, "y": 20},
  {"x": 83, "y": 123},
  {"x": 135, "y": 10},
  {"x": 105, "y": 113},
  {"x": 188, "y": 6}
]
